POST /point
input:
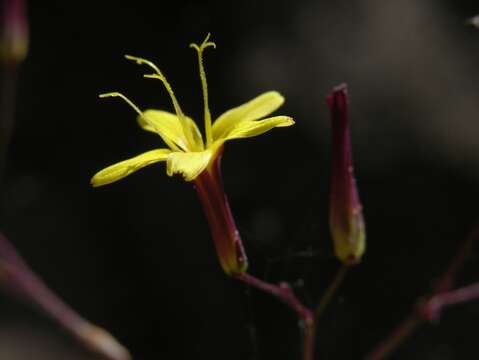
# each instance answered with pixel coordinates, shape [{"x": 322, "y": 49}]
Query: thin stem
[
  {"x": 446, "y": 281},
  {"x": 284, "y": 292},
  {"x": 402, "y": 331},
  {"x": 331, "y": 290},
  {"x": 309, "y": 337},
  {"x": 19, "y": 279},
  {"x": 430, "y": 308}
]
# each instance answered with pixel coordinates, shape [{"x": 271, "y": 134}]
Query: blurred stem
[
  {"x": 284, "y": 293},
  {"x": 402, "y": 331},
  {"x": 19, "y": 279},
  {"x": 331, "y": 290},
  {"x": 309, "y": 338},
  {"x": 446, "y": 281},
  {"x": 430, "y": 308},
  {"x": 7, "y": 112}
]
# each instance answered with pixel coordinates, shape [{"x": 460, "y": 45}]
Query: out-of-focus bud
[
  {"x": 229, "y": 247},
  {"x": 14, "y": 32},
  {"x": 346, "y": 216},
  {"x": 19, "y": 280},
  {"x": 474, "y": 21}
]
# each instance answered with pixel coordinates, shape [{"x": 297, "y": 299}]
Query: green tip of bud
[{"x": 346, "y": 216}]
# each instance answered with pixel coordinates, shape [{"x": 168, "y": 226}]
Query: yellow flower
[{"x": 187, "y": 154}]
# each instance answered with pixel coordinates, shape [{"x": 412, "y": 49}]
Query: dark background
[{"x": 136, "y": 256}]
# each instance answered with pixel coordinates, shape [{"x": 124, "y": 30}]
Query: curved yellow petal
[
  {"x": 255, "y": 109},
  {"x": 170, "y": 128},
  {"x": 189, "y": 164},
  {"x": 195, "y": 133},
  {"x": 248, "y": 128},
  {"x": 124, "y": 168}
]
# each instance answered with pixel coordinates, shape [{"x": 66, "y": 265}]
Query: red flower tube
[{"x": 229, "y": 247}]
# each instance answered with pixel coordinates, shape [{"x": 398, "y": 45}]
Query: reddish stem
[
  {"x": 17, "y": 277},
  {"x": 430, "y": 308},
  {"x": 309, "y": 337},
  {"x": 386, "y": 347},
  {"x": 447, "y": 280},
  {"x": 284, "y": 292}
]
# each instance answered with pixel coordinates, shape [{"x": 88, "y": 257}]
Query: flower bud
[
  {"x": 14, "y": 32},
  {"x": 346, "y": 216}
]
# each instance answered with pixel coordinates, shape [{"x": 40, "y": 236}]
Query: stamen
[
  {"x": 204, "y": 85},
  {"x": 120, "y": 95},
  {"x": 159, "y": 75}
]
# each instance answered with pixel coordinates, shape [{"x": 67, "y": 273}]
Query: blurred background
[{"x": 136, "y": 256}]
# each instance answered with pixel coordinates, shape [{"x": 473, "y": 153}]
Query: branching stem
[{"x": 284, "y": 293}]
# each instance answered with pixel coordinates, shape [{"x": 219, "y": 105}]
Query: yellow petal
[
  {"x": 255, "y": 109},
  {"x": 124, "y": 168},
  {"x": 247, "y": 129},
  {"x": 195, "y": 135},
  {"x": 170, "y": 128},
  {"x": 188, "y": 164}
]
